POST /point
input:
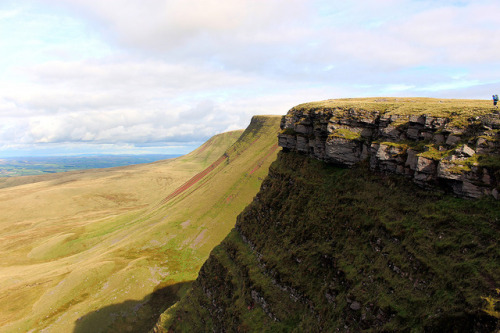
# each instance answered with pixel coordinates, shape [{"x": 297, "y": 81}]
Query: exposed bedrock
[{"x": 432, "y": 151}]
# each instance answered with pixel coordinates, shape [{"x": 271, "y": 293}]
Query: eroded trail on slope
[{"x": 195, "y": 179}]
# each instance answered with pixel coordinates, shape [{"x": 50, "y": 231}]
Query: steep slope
[
  {"x": 326, "y": 248},
  {"x": 105, "y": 250}
]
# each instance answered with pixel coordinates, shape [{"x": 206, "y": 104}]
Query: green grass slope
[
  {"x": 107, "y": 250},
  {"x": 326, "y": 249}
]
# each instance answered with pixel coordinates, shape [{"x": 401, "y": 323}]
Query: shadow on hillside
[{"x": 132, "y": 316}]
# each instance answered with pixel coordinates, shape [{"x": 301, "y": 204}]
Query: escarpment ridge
[
  {"x": 108, "y": 250},
  {"x": 329, "y": 248},
  {"x": 455, "y": 143},
  {"x": 326, "y": 249}
]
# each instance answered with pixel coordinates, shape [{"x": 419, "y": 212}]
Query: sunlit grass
[
  {"x": 406, "y": 106},
  {"x": 80, "y": 242}
]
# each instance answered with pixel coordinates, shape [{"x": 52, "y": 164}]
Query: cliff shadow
[{"x": 132, "y": 315}]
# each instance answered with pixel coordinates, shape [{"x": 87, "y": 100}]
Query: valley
[
  {"x": 106, "y": 244},
  {"x": 376, "y": 215}
]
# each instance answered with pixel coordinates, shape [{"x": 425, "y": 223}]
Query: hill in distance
[{"x": 107, "y": 250}]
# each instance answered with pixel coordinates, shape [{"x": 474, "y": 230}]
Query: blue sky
[{"x": 162, "y": 76}]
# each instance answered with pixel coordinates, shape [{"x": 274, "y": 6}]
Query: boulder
[
  {"x": 411, "y": 160},
  {"x": 426, "y": 135},
  {"x": 287, "y": 141},
  {"x": 343, "y": 151},
  {"x": 466, "y": 151},
  {"x": 425, "y": 165},
  {"x": 302, "y": 129},
  {"x": 444, "y": 171},
  {"x": 470, "y": 190},
  {"x": 383, "y": 153},
  {"x": 412, "y": 133},
  {"x": 452, "y": 140},
  {"x": 355, "y": 306},
  {"x": 438, "y": 139},
  {"x": 302, "y": 144}
]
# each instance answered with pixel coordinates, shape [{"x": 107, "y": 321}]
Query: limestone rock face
[
  {"x": 342, "y": 150},
  {"x": 433, "y": 151}
]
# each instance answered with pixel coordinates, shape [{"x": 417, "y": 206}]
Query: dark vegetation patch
[{"x": 323, "y": 248}]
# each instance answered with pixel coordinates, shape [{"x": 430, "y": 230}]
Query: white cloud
[
  {"x": 459, "y": 35},
  {"x": 158, "y": 71},
  {"x": 163, "y": 25}
]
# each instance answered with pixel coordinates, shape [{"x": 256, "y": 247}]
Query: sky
[{"x": 162, "y": 76}]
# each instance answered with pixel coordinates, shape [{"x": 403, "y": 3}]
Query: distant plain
[{"x": 39, "y": 165}]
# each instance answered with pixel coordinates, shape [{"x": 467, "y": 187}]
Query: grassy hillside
[
  {"x": 325, "y": 249},
  {"x": 106, "y": 250},
  {"x": 191, "y": 163}
]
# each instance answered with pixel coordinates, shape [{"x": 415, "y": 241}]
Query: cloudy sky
[{"x": 162, "y": 76}]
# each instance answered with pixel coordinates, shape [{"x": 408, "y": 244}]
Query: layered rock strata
[{"x": 459, "y": 152}]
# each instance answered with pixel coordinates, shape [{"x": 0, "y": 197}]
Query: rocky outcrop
[
  {"x": 324, "y": 248},
  {"x": 458, "y": 152}
]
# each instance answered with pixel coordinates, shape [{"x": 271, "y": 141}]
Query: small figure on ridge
[{"x": 495, "y": 101}]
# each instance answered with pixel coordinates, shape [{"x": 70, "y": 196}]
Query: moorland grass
[
  {"x": 412, "y": 106},
  {"x": 59, "y": 230}
]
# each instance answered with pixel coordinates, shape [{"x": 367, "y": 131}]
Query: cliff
[
  {"x": 325, "y": 248},
  {"x": 434, "y": 142}
]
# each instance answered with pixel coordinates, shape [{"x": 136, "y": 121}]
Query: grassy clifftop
[
  {"x": 323, "y": 248},
  {"x": 414, "y": 106}
]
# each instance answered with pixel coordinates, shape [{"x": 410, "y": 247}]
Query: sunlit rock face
[{"x": 456, "y": 152}]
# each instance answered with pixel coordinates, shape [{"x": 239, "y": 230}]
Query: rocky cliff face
[
  {"x": 459, "y": 150},
  {"x": 324, "y": 248}
]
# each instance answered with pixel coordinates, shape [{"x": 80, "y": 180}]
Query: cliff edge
[
  {"x": 329, "y": 248},
  {"x": 455, "y": 143}
]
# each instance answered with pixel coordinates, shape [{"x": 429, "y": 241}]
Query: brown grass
[
  {"x": 78, "y": 242},
  {"x": 406, "y": 106}
]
